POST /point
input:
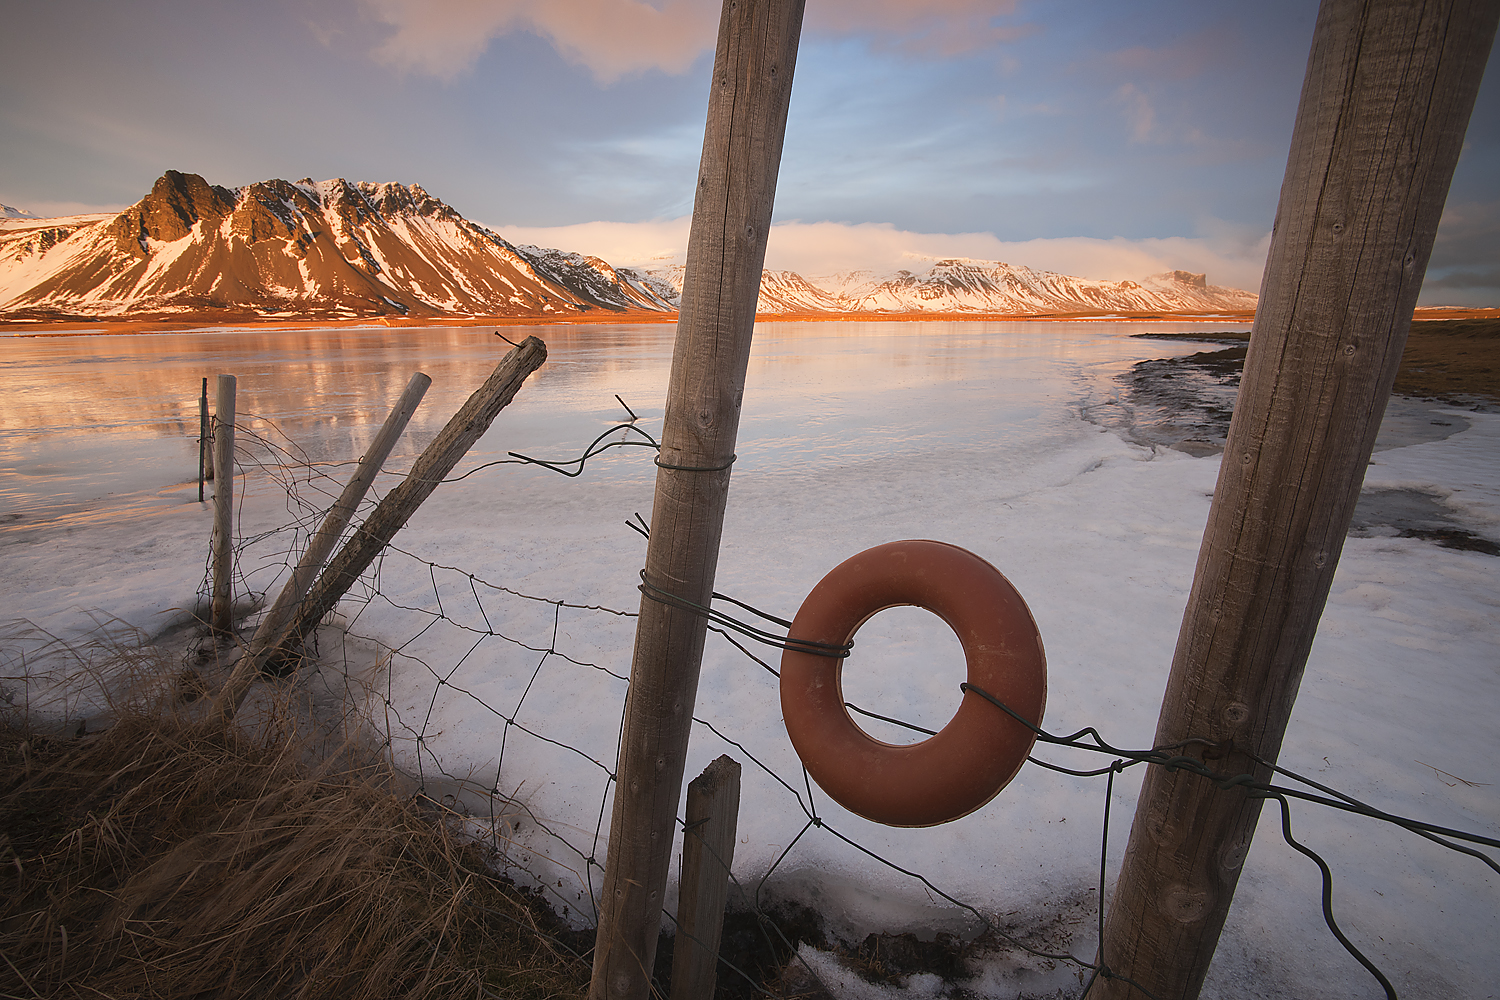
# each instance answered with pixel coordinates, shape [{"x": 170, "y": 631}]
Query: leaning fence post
[
  {"x": 748, "y": 99},
  {"x": 202, "y": 436},
  {"x": 391, "y": 514},
  {"x": 713, "y": 807},
  {"x": 273, "y": 627},
  {"x": 221, "y": 603},
  {"x": 1389, "y": 88}
]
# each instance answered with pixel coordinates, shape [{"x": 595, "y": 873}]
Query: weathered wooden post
[
  {"x": 1389, "y": 88},
  {"x": 273, "y": 627},
  {"x": 713, "y": 809},
  {"x": 391, "y": 514},
  {"x": 221, "y": 609},
  {"x": 748, "y": 99},
  {"x": 202, "y": 436}
]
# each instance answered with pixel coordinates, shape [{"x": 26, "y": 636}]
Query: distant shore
[
  {"x": 1455, "y": 360},
  {"x": 208, "y": 322}
]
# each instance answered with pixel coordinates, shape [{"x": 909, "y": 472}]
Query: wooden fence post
[
  {"x": 1387, "y": 97},
  {"x": 221, "y": 610},
  {"x": 391, "y": 514},
  {"x": 748, "y": 99},
  {"x": 273, "y": 627},
  {"x": 713, "y": 808},
  {"x": 202, "y": 436}
]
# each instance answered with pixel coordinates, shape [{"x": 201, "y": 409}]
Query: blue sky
[{"x": 1110, "y": 140}]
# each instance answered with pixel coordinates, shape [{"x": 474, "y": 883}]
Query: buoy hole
[{"x": 907, "y": 664}]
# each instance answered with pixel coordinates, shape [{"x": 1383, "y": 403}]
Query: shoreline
[
  {"x": 1450, "y": 360},
  {"x": 202, "y": 323},
  {"x": 120, "y": 327},
  {"x": 1448, "y": 371}
]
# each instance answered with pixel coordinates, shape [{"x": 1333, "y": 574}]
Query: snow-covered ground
[{"x": 853, "y": 435}]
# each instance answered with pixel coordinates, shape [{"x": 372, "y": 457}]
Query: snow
[
  {"x": 852, "y": 435},
  {"x": 162, "y": 255},
  {"x": 19, "y": 276},
  {"x": 965, "y": 284}
]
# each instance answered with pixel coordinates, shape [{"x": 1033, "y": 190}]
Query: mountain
[
  {"x": 960, "y": 285},
  {"x": 340, "y": 250},
  {"x": 277, "y": 249}
]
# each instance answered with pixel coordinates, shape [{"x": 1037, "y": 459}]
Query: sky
[{"x": 1094, "y": 138}]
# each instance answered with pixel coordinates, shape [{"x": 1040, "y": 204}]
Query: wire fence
[
  {"x": 501, "y": 623},
  {"x": 552, "y": 676}
]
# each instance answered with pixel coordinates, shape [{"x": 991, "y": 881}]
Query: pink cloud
[
  {"x": 615, "y": 38},
  {"x": 923, "y": 27},
  {"x": 612, "y": 38}
]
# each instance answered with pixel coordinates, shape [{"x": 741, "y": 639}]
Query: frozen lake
[
  {"x": 996, "y": 437},
  {"x": 95, "y": 421}
]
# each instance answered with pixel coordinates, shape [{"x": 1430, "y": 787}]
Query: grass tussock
[{"x": 173, "y": 857}]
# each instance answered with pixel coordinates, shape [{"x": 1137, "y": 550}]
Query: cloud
[
  {"x": 616, "y": 38},
  {"x": 1157, "y": 90},
  {"x": 624, "y": 244},
  {"x": 58, "y": 209},
  {"x": 1185, "y": 58},
  {"x": 442, "y": 38},
  {"x": 1465, "y": 280},
  {"x": 1137, "y": 110},
  {"x": 920, "y": 27},
  {"x": 612, "y": 38},
  {"x": 1228, "y": 255},
  {"x": 1461, "y": 271},
  {"x": 1469, "y": 232},
  {"x": 820, "y": 247}
]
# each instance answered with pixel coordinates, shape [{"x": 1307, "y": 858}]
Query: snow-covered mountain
[
  {"x": 332, "y": 249},
  {"x": 961, "y": 285},
  {"x": 335, "y": 250}
]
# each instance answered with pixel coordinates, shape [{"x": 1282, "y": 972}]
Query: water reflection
[
  {"x": 152, "y": 382},
  {"x": 86, "y": 418}
]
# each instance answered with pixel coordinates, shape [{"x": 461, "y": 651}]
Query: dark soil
[
  {"x": 1186, "y": 403},
  {"x": 1454, "y": 361},
  {"x": 755, "y": 953}
]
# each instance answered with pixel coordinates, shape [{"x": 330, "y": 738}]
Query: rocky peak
[
  {"x": 269, "y": 208},
  {"x": 168, "y": 213},
  {"x": 346, "y": 199},
  {"x": 179, "y": 200},
  {"x": 391, "y": 199}
]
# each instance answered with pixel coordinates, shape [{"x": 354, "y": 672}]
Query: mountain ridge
[
  {"x": 337, "y": 249},
  {"x": 278, "y": 249},
  {"x": 958, "y": 285}
]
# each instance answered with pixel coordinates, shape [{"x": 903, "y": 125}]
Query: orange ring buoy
[{"x": 980, "y": 750}]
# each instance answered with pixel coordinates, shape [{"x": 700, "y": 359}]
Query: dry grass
[
  {"x": 173, "y": 857},
  {"x": 1452, "y": 358}
]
